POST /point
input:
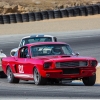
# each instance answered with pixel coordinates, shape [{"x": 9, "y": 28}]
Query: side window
[
  {"x": 24, "y": 52},
  {"x": 55, "y": 39}
]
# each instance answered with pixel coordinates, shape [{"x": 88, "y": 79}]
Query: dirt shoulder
[{"x": 22, "y": 6}]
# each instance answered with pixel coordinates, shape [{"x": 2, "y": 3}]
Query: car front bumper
[{"x": 59, "y": 74}]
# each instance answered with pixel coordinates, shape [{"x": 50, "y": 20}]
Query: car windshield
[
  {"x": 35, "y": 39},
  {"x": 51, "y": 49}
]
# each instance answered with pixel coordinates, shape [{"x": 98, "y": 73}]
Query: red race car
[{"x": 44, "y": 61}]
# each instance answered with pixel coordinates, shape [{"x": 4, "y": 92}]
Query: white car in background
[
  {"x": 33, "y": 39},
  {"x": 2, "y": 55}
]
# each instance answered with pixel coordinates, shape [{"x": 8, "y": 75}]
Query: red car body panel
[{"x": 23, "y": 67}]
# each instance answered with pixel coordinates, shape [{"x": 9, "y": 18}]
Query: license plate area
[{"x": 71, "y": 71}]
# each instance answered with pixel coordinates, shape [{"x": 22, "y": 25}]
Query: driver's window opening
[{"x": 24, "y": 52}]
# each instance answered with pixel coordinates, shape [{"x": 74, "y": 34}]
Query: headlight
[
  {"x": 94, "y": 63},
  {"x": 83, "y": 63},
  {"x": 47, "y": 64}
]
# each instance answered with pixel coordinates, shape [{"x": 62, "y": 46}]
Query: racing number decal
[{"x": 20, "y": 67}]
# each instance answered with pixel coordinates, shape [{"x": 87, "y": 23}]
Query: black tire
[
  {"x": 6, "y": 19},
  {"x": 10, "y": 76},
  {"x": 38, "y": 16},
  {"x": 64, "y": 13},
  {"x": 2, "y": 75},
  {"x": 77, "y": 11},
  {"x": 38, "y": 79},
  {"x": 12, "y": 18},
  {"x": 96, "y": 9},
  {"x": 57, "y": 14},
  {"x": 83, "y": 11},
  {"x": 45, "y": 15},
  {"x": 89, "y": 10},
  {"x": 25, "y": 17},
  {"x": 89, "y": 81},
  {"x": 51, "y": 14},
  {"x": 31, "y": 16},
  {"x": 18, "y": 18},
  {"x": 70, "y": 12},
  {"x": 1, "y": 20}
]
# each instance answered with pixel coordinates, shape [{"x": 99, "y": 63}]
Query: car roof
[
  {"x": 39, "y": 35},
  {"x": 44, "y": 43}
]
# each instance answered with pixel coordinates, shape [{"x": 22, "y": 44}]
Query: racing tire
[
  {"x": 12, "y": 18},
  {"x": 77, "y": 11},
  {"x": 57, "y": 14},
  {"x": 25, "y": 17},
  {"x": 31, "y": 16},
  {"x": 1, "y": 20},
  {"x": 2, "y": 75},
  {"x": 10, "y": 76},
  {"x": 51, "y": 14},
  {"x": 89, "y": 81},
  {"x": 64, "y": 13},
  {"x": 38, "y": 16},
  {"x": 45, "y": 15},
  {"x": 6, "y": 19},
  {"x": 70, "y": 12},
  {"x": 38, "y": 79},
  {"x": 18, "y": 18},
  {"x": 96, "y": 9}
]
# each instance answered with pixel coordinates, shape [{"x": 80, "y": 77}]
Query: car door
[{"x": 24, "y": 65}]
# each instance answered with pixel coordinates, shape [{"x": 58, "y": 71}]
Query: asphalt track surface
[{"x": 87, "y": 43}]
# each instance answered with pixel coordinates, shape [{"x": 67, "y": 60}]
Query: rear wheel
[
  {"x": 89, "y": 81},
  {"x": 38, "y": 79},
  {"x": 10, "y": 76}
]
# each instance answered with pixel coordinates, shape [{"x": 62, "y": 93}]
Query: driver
[{"x": 56, "y": 51}]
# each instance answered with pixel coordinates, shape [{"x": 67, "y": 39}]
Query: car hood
[{"x": 64, "y": 58}]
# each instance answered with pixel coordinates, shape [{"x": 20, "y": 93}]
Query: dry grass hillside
[{"x": 20, "y": 6}]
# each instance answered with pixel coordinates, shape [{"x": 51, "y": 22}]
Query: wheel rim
[
  {"x": 36, "y": 76},
  {"x": 9, "y": 74}
]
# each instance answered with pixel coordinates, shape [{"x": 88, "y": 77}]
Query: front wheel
[
  {"x": 10, "y": 76},
  {"x": 38, "y": 79},
  {"x": 89, "y": 81}
]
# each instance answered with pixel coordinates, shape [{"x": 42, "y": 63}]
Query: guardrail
[{"x": 51, "y": 14}]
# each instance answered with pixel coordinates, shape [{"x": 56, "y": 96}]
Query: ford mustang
[{"x": 44, "y": 61}]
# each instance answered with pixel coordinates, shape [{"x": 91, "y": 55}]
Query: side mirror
[
  {"x": 28, "y": 56},
  {"x": 77, "y": 54}
]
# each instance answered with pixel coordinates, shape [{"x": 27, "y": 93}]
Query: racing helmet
[{"x": 56, "y": 51}]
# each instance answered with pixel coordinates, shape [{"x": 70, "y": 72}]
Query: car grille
[
  {"x": 71, "y": 71},
  {"x": 71, "y": 64}
]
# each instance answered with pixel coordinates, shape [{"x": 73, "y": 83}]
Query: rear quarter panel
[{"x": 8, "y": 61}]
